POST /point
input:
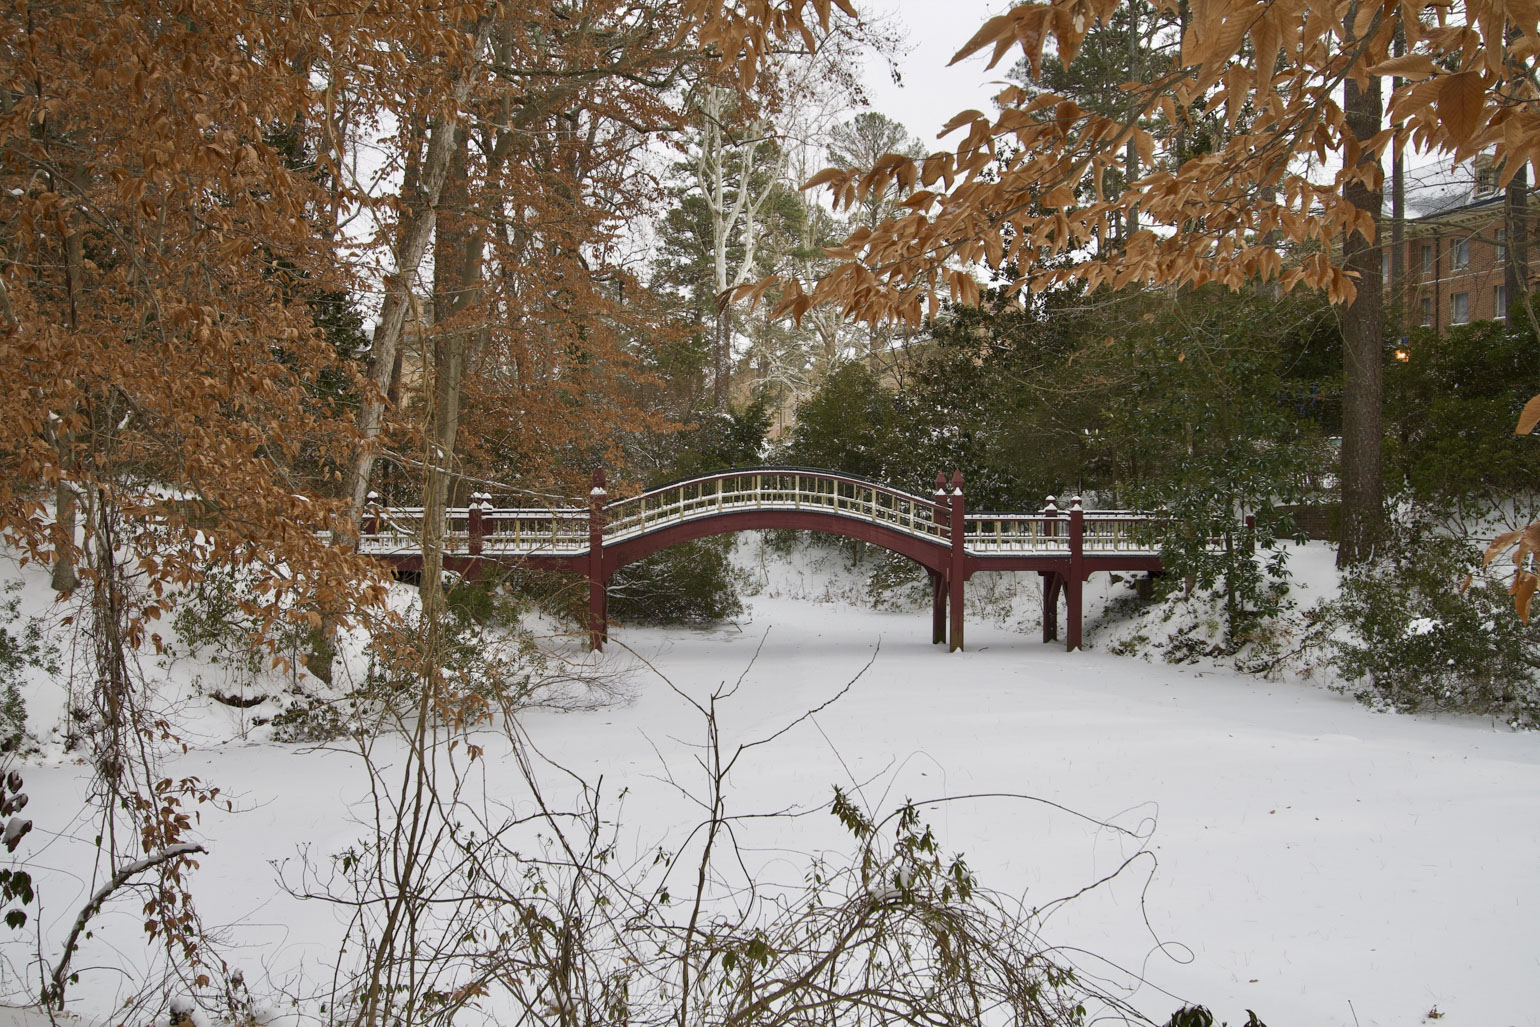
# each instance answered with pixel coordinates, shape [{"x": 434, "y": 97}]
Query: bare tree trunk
[
  {"x": 721, "y": 357},
  {"x": 444, "y": 136},
  {"x": 1363, "y": 357},
  {"x": 1516, "y": 273},
  {"x": 1398, "y": 215},
  {"x": 64, "y": 577}
]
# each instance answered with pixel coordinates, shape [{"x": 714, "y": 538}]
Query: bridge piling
[
  {"x": 598, "y": 628},
  {"x": 1052, "y": 581},
  {"x": 1052, "y": 584},
  {"x": 474, "y": 528},
  {"x": 1074, "y": 583},
  {"x": 958, "y": 572},
  {"x": 938, "y": 581}
]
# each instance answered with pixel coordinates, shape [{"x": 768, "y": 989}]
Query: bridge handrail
[
  {"x": 566, "y": 530},
  {"x": 789, "y": 488},
  {"x": 774, "y": 469}
]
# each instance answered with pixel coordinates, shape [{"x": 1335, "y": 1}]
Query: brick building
[{"x": 1456, "y": 261}]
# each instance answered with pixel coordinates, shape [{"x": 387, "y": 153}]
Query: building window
[
  {"x": 1385, "y": 264},
  {"x": 1459, "y": 254},
  {"x": 1499, "y": 302},
  {"x": 1486, "y": 178},
  {"x": 1427, "y": 311},
  {"x": 1501, "y": 249},
  {"x": 1427, "y": 258},
  {"x": 1459, "y": 308}
]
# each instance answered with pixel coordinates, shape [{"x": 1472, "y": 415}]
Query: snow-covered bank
[{"x": 1312, "y": 860}]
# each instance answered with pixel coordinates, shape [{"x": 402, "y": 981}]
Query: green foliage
[
  {"x": 999, "y": 397},
  {"x": 308, "y": 720},
  {"x": 690, "y": 583},
  {"x": 718, "y": 441},
  {"x": 896, "y": 582},
  {"x": 1450, "y": 411},
  {"x": 19, "y": 651},
  {"x": 1199, "y": 1016},
  {"x": 211, "y": 624},
  {"x": 849, "y": 424},
  {"x": 15, "y": 883},
  {"x": 1207, "y": 404},
  {"x": 1404, "y": 637},
  {"x": 13, "y": 719},
  {"x": 487, "y": 601},
  {"x": 1213, "y": 435}
]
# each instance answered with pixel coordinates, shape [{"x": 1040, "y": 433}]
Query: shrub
[
  {"x": 1414, "y": 642},
  {"x": 691, "y": 583},
  {"x": 896, "y": 582},
  {"x": 308, "y": 720},
  {"x": 19, "y": 650}
]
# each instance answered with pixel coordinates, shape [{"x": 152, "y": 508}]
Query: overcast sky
[{"x": 931, "y": 93}]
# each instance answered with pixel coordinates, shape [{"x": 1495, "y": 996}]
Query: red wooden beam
[
  {"x": 958, "y": 572},
  {"x": 938, "y": 579},
  {"x": 598, "y": 629},
  {"x": 1075, "y": 582}
]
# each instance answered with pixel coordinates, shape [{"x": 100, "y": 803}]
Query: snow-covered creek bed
[{"x": 1317, "y": 862}]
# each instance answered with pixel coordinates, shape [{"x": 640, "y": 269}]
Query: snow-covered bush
[
  {"x": 1403, "y": 636},
  {"x": 691, "y": 583},
  {"x": 896, "y": 582},
  {"x": 20, "y": 649}
]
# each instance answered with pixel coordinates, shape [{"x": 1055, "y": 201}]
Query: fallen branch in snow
[
  {"x": 237, "y": 701},
  {"x": 55, "y": 996}
]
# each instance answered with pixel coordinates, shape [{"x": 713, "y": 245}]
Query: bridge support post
[
  {"x": 1074, "y": 584},
  {"x": 1052, "y": 584},
  {"x": 1053, "y": 581},
  {"x": 598, "y": 628},
  {"x": 937, "y": 608},
  {"x": 371, "y": 525},
  {"x": 938, "y": 580},
  {"x": 474, "y": 527},
  {"x": 959, "y": 564}
]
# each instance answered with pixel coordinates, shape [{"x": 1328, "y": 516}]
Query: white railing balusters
[{"x": 564, "y": 531}]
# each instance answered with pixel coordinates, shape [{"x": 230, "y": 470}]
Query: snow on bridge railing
[
  {"x": 510, "y": 531},
  {"x": 774, "y": 488},
  {"x": 513, "y": 530},
  {"x": 501, "y": 530},
  {"x": 1048, "y": 531}
]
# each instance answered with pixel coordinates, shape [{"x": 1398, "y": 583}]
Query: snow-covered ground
[{"x": 1307, "y": 858}]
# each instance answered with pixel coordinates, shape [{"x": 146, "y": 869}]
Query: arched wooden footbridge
[{"x": 1066, "y": 547}]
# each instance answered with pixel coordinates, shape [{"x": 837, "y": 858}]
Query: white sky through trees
[{"x": 931, "y": 92}]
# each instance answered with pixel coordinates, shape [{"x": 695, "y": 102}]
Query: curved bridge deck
[{"x": 935, "y": 531}]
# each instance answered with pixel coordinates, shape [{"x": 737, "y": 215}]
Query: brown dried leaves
[
  {"x": 1031, "y": 181},
  {"x": 1524, "y": 542}
]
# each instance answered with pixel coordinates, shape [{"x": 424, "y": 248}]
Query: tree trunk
[
  {"x": 1398, "y": 215},
  {"x": 1363, "y": 511},
  {"x": 721, "y": 357},
  {"x": 64, "y": 577},
  {"x": 1516, "y": 273},
  {"x": 444, "y": 137}
]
